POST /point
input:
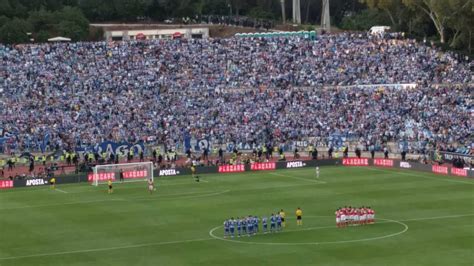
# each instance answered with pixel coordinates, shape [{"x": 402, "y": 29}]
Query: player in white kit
[
  {"x": 151, "y": 186},
  {"x": 317, "y": 172}
]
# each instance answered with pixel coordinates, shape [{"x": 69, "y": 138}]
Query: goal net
[{"x": 127, "y": 172}]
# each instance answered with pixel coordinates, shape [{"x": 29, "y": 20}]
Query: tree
[
  {"x": 364, "y": 20},
  {"x": 3, "y": 20},
  {"x": 41, "y": 20},
  {"x": 15, "y": 31},
  {"x": 461, "y": 25},
  {"x": 97, "y": 10},
  {"x": 393, "y": 9},
  {"x": 439, "y": 11},
  {"x": 72, "y": 23},
  {"x": 5, "y": 8}
]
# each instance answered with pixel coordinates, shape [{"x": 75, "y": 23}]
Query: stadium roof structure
[{"x": 59, "y": 39}]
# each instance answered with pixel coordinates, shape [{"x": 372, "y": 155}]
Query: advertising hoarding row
[{"x": 266, "y": 166}]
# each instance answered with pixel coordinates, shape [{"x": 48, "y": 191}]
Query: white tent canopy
[{"x": 59, "y": 39}]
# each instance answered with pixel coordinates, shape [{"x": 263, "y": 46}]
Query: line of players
[
  {"x": 349, "y": 216},
  {"x": 250, "y": 225}
]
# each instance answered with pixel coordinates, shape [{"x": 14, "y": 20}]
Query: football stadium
[{"x": 236, "y": 132}]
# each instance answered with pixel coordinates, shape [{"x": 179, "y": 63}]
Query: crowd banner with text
[
  {"x": 194, "y": 144},
  {"x": 115, "y": 148},
  {"x": 450, "y": 156}
]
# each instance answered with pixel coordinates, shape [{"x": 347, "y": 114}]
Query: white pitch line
[
  {"x": 300, "y": 178},
  {"x": 438, "y": 217},
  {"x": 115, "y": 199},
  {"x": 422, "y": 176},
  {"x": 60, "y": 190},
  {"x": 211, "y": 232},
  {"x": 107, "y": 249},
  {"x": 198, "y": 240},
  {"x": 405, "y": 228}
]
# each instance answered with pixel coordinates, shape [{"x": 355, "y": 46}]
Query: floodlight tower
[
  {"x": 325, "y": 18},
  {"x": 297, "y": 11},
  {"x": 283, "y": 15}
]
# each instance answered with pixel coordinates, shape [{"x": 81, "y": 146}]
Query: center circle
[{"x": 403, "y": 230}]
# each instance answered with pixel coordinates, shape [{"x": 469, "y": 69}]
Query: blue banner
[
  {"x": 120, "y": 148},
  {"x": 196, "y": 144},
  {"x": 45, "y": 142}
]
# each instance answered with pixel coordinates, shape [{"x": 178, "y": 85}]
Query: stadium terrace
[{"x": 232, "y": 90}]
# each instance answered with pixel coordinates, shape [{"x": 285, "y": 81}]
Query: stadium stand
[{"x": 233, "y": 90}]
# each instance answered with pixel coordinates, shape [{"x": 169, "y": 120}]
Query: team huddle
[
  {"x": 251, "y": 225},
  {"x": 349, "y": 216}
]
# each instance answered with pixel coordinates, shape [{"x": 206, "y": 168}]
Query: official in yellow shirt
[
  {"x": 299, "y": 216},
  {"x": 282, "y": 215},
  {"x": 52, "y": 182},
  {"x": 111, "y": 190}
]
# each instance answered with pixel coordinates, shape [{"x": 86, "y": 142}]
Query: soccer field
[{"x": 422, "y": 219}]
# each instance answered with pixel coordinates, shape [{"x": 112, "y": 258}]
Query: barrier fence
[{"x": 268, "y": 166}]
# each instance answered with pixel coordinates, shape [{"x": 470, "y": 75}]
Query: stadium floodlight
[{"x": 127, "y": 172}]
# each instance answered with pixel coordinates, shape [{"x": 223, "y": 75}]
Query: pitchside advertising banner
[
  {"x": 231, "y": 168},
  {"x": 295, "y": 164},
  {"x": 383, "y": 162},
  {"x": 459, "y": 171},
  {"x": 114, "y": 176},
  {"x": 263, "y": 166},
  {"x": 4, "y": 184},
  {"x": 439, "y": 169},
  {"x": 355, "y": 161}
]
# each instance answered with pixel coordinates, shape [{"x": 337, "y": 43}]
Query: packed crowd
[{"x": 232, "y": 90}]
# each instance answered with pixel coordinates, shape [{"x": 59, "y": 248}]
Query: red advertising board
[
  {"x": 262, "y": 166},
  {"x": 439, "y": 169},
  {"x": 231, "y": 168},
  {"x": 458, "y": 171},
  {"x": 102, "y": 176},
  {"x": 135, "y": 174},
  {"x": 6, "y": 184},
  {"x": 355, "y": 161},
  {"x": 383, "y": 162}
]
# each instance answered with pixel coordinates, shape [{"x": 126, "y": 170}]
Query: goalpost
[{"x": 130, "y": 172}]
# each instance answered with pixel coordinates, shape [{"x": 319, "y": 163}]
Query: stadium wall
[{"x": 267, "y": 166}]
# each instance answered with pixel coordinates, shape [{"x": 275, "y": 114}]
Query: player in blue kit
[
  {"x": 244, "y": 225},
  {"x": 278, "y": 218},
  {"x": 226, "y": 228},
  {"x": 232, "y": 227},
  {"x": 264, "y": 224},
  {"x": 255, "y": 224},
  {"x": 239, "y": 227},
  {"x": 272, "y": 223},
  {"x": 249, "y": 225}
]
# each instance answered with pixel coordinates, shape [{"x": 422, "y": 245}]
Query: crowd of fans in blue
[{"x": 235, "y": 90}]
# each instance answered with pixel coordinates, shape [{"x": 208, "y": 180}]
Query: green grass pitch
[{"x": 422, "y": 219}]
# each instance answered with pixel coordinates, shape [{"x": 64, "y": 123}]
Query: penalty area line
[
  {"x": 301, "y": 178},
  {"x": 106, "y": 249},
  {"x": 60, "y": 190}
]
